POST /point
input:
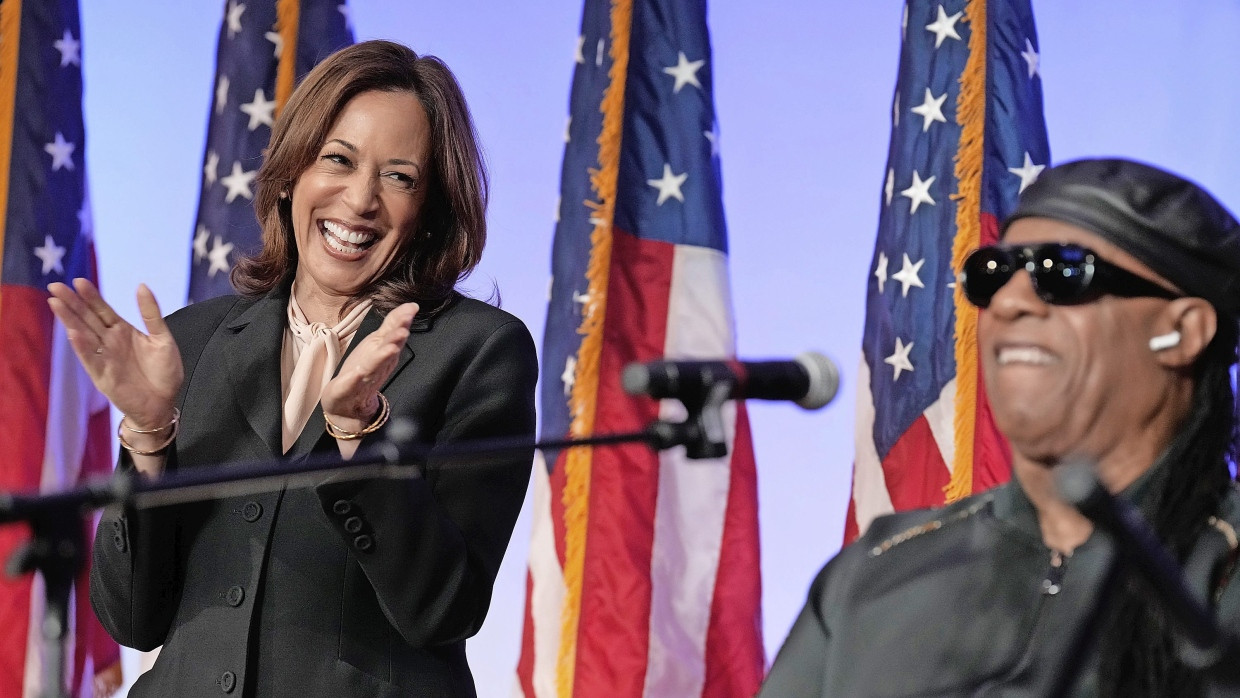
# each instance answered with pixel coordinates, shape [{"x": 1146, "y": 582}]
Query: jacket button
[
  {"x": 252, "y": 511},
  {"x": 235, "y": 595},
  {"x": 363, "y": 542},
  {"x": 119, "y": 541},
  {"x": 342, "y": 507},
  {"x": 353, "y": 524},
  {"x": 228, "y": 681}
]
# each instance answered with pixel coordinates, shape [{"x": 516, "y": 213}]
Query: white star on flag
[
  {"x": 569, "y": 376},
  {"x": 61, "y": 152},
  {"x": 234, "y": 18},
  {"x": 51, "y": 254},
  {"x": 685, "y": 72},
  {"x": 889, "y": 187},
  {"x": 944, "y": 27},
  {"x": 899, "y": 359},
  {"x": 908, "y": 275},
  {"x": 260, "y": 110},
  {"x": 210, "y": 170},
  {"x": 895, "y": 111},
  {"x": 669, "y": 185},
  {"x": 598, "y": 54},
  {"x": 201, "y": 238},
  {"x": 275, "y": 38},
  {"x": 919, "y": 191},
  {"x": 880, "y": 271},
  {"x": 568, "y": 129},
  {"x": 579, "y": 55},
  {"x": 1028, "y": 172},
  {"x": 221, "y": 94},
  {"x": 219, "y": 257},
  {"x": 84, "y": 221},
  {"x": 70, "y": 50},
  {"x": 713, "y": 136},
  {"x": 1031, "y": 58},
  {"x": 238, "y": 183},
  {"x": 930, "y": 110}
]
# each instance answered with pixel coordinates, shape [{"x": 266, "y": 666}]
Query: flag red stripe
[
  {"x": 613, "y": 636},
  {"x": 735, "y": 657},
  {"x": 914, "y": 469},
  {"x": 525, "y": 663},
  {"x": 25, "y": 368}
]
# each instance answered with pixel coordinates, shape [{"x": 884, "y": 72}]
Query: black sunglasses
[{"x": 1062, "y": 274}]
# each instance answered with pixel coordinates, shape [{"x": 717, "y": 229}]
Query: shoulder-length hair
[{"x": 452, "y": 224}]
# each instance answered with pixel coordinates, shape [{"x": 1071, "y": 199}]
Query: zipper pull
[{"x": 1054, "y": 576}]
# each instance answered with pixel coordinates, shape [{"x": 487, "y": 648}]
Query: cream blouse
[{"x": 310, "y": 354}]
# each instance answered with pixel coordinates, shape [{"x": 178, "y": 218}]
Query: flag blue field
[
  {"x": 255, "y": 68},
  {"x": 967, "y": 137}
]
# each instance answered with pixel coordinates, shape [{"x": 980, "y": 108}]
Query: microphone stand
[
  {"x": 57, "y": 544},
  {"x": 1202, "y": 644}
]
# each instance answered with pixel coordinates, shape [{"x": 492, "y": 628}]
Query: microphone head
[
  {"x": 824, "y": 380},
  {"x": 635, "y": 379}
]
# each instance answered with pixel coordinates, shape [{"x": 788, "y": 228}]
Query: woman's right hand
[{"x": 141, "y": 373}]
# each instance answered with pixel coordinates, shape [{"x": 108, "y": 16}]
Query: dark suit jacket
[{"x": 364, "y": 588}]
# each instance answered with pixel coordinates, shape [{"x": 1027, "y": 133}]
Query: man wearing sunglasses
[{"x": 1107, "y": 333}]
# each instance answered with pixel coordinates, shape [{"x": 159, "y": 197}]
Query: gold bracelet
[
  {"x": 385, "y": 411},
  {"x": 120, "y": 435},
  {"x": 176, "y": 416}
]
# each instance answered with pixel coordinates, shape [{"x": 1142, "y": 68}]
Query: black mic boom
[{"x": 811, "y": 380}]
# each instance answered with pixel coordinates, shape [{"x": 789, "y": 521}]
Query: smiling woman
[{"x": 371, "y": 201}]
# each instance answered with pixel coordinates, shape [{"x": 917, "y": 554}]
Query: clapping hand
[
  {"x": 351, "y": 399},
  {"x": 141, "y": 373}
]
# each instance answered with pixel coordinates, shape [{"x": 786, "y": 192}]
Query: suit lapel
[{"x": 251, "y": 350}]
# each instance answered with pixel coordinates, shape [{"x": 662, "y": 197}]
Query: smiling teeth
[
  {"x": 343, "y": 234},
  {"x": 1025, "y": 355}
]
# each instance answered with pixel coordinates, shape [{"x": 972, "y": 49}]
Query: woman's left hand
[{"x": 351, "y": 399}]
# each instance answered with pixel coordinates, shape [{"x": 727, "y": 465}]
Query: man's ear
[{"x": 1183, "y": 330}]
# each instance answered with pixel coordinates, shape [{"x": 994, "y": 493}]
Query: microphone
[{"x": 811, "y": 380}]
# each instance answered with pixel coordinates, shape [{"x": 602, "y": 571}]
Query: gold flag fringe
[
  {"x": 585, "y": 385},
  {"x": 971, "y": 115},
  {"x": 288, "y": 18},
  {"x": 10, "y": 43}
]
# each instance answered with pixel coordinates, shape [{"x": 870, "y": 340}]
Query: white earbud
[{"x": 1164, "y": 341}]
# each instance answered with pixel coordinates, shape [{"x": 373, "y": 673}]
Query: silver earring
[{"x": 1164, "y": 341}]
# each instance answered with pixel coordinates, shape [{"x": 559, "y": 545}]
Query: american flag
[
  {"x": 56, "y": 427},
  {"x": 967, "y": 137},
  {"x": 254, "y": 75},
  {"x": 644, "y": 572}
]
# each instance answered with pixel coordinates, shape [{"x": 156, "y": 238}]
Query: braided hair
[{"x": 1137, "y": 650}]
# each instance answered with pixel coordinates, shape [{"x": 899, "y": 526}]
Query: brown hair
[{"x": 452, "y": 223}]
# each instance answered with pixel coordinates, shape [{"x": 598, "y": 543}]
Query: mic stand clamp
[{"x": 702, "y": 433}]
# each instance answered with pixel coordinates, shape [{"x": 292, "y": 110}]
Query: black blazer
[{"x": 363, "y": 588}]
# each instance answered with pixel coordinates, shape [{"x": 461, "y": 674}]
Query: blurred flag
[
  {"x": 967, "y": 136},
  {"x": 254, "y": 75},
  {"x": 644, "y": 572},
  {"x": 56, "y": 428}
]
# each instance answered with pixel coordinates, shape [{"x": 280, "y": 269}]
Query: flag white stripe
[
  {"x": 693, "y": 495},
  {"x": 546, "y": 587},
  {"x": 870, "y": 496},
  {"x": 71, "y": 398}
]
